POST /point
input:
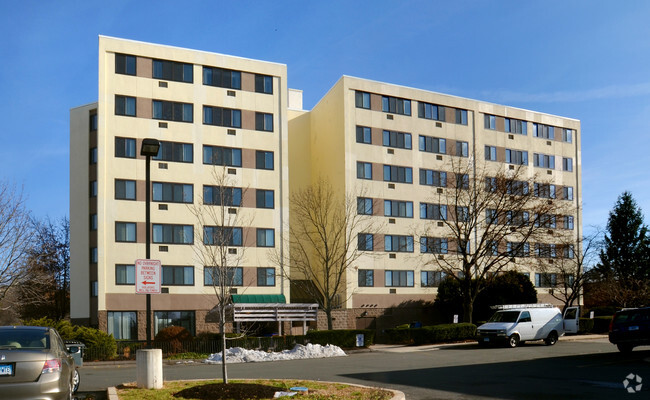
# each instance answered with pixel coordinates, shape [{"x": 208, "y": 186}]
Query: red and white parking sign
[{"x": 147, "y": 276}]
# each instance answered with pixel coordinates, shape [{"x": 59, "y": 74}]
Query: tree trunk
[
  {"x": 328, "y": 313},
  {"x": 222, "y": 329},
  {"x": 468, "y": 308}
]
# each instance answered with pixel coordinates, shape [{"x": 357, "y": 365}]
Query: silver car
[{"x": 35, "y": 364}]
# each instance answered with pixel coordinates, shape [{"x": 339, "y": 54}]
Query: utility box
[{"x": 76, "y": 350}]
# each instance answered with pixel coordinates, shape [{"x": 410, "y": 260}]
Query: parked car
[
  {"x": 36, "y": 364},
  {"x": 630, "y": 328},
  {"x": 517, "y": 323}
]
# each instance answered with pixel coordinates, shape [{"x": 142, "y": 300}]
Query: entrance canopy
[{"x": 271, "y": 308}]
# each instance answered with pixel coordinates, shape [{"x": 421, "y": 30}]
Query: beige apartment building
[{"x": 391, "y": 146}]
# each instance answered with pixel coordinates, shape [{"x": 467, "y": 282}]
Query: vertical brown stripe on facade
[
  {"x": 451, "y": 147},
  {"x": 558, "y": 134},
  {"x": 248, "y": 158},
  {"x": 143, "y": 108},
  {"x": 378, "y": 274},
  {"x": 377, "y": 207},
  {"x": 377, "y": 136},
  {"x": 450, "y": 115},
  {"x": 140, "y": 187},
  {"x": 378, "y": 241},
  {"x": 501, "y": 124},
  {"x": 140, "y": 232},
  {"x": 247, "y": 82},
  {"x": 138, "y": 146},
  {"x": 248, "y": 198},
  {"x": 144, "y": 67},
  {"x": 377, "y": 172},
  {"x": 248, "y": 119},
  {"x": 250, "y": 276},
  {"x": 501, "y": 154},
  {"x": 249, "y": 234},
  {"x": 375, "y": 102}
]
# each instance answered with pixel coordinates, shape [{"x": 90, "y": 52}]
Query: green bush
[
  {"x": 586, "y": 325},
  {"x": 432, "y": 334},
  {"x": 344, "y": 338}
]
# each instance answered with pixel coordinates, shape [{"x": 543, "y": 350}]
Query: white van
[{"x": 518, "y": 323}]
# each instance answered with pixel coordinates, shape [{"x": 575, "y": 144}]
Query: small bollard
[{"x": 149, "y": 368}]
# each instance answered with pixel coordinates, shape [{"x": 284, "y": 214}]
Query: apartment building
[
  {"x": 398, "y": 147},
  {"x": 215, "y": 116}
]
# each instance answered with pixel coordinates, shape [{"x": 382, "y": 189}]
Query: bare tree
[
  {"x": 323, "y": 236},
  {"x": 220, "y": 238},
  {"x": 488, "y": 217},
  {"x": 15, "y": 239}
]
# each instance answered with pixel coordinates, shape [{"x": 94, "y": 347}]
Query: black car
[{"x": 630, "y": 328}]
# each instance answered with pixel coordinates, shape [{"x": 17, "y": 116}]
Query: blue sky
[{"x": 587, "y": 60}]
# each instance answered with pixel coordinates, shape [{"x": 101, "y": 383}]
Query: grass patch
[
  {"x": 249, "y": 390},
  {"x": 189, "y": 356}
]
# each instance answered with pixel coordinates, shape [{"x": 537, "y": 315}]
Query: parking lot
[{"x": 576, "y": 369}]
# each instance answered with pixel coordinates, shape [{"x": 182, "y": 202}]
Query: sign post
[{"x": 147, "y": 276}]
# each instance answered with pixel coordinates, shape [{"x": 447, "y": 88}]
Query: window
[
  {"x": 491, "y": 184},
  {"x": 462, "y": 149},
  {"x": 226, "y": 156},
  {"x": 397, "y": 243},
  {"x": 431, "y": 278},
  {"x": 543, "y": 161},
  {"x": 125, "y": 105},
  {"x": 264, "y": 159},
  {"x": 395, "y": 208},
  {"x": 264, "y": 84},
  {"x": 173, "y": 71},
  {"x": 173, "y": 234},
  {"x": 124, "y": 274},
  {"x": 264, "y": 198},
  {"x": 491, "y": 216},
  {"x": 265, "y": 237},
  {"x": 93, "y": 255},
  {"x": 461, "y": 116},
  {"x": 224, "y": 78},
  {"x": 517, "y": 218},
  {"x": 93, "y": 222},
  {"x": 364, "y": 170},
  {"x": 399, "y": 279},
  {"x": 462, "y": 181},
  {"x": 221, "y": 195},
  {"x": 433, "y": 178},
  {"x": 264, "y": 122},
  {"x": 546, "y": 221},
  {"x": 545, "y": 280},
  {"x": 93, "y": 122},
  {"x": 92, "y": 188},
  {"x": 517, "y": 188},
  {"x": 490, "y": 122},
  {"x": 433, "y": 245},
  {"x": 463, "y": 247},
  {"x": 544, "y": 190},
  {"x": 567, "y": 135},
  {"x": 516, "y": 126},
  {"x": 462, "y": 214},
  {"x": 517, "y": 249},
  {"x": 366, "y": 278},
  {"x": 125, "y": 64},
  {"x": 567, "y": 193},
  {"x": 434, "y": 112},
  {"x": 222, "y": 236},
  {"x": 490, "y": 153},
  {"x": 364, "y": 206},
  {"x": 125, "y": 232},
  {"x": 164, "y": 319},
  {"x": 124, "y": 147},
  {"x": 433, "y": 145},
  {"x": 545, "y": 250},
  {"x": 219, "y": 116},
  {"x": 175, "y": 152},
  {"x": 568, "y": 252},
  {"x": 92, "y": 156},
  {"x": 393, "y": 173},
  {"x": 400, "y": 140},
  {"x": 177, "y": 275},
  {"x": 173, "y": 192},
  {"x": 364, "y": 135},
  {"x": 173, "y": 111},
  {"x": 94, "y": 289},
  {"x": 433, "y": 211},
  {"x": 124, "y": 189},
  {"x": 568, "y": 222},
  {"x": 362, "y": 99},
  {"x": 365, "y": 242},
  {"x": 123, "y": 325},
  {"x": 567, "y": 164},
  {"x": 395, "y": 105},
  {"x": 518, "y": 157},
  {"x": 266, "y": 277},
  {"x": 543, "y": 131},
  {"x": 234, "y": 276}
]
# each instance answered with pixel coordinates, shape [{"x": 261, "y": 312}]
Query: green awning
[{"x": 258, "y": 298}]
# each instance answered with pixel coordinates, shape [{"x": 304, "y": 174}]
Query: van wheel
[
  {"x": 551, "y": 339},
  {"x": 624, "y": 348},
  {"x": 513, "y": 340}
]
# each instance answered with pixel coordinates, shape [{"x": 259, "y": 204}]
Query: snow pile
[{"x": 239, "y": 355}]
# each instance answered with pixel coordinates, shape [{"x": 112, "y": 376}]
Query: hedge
[
  {"x": 432, "y": 334},
  {"x": 586, "y": 325},
  {"x": 344, "y": 338}
]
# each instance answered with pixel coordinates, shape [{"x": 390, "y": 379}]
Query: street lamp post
[{"x": 149, "y": 149}]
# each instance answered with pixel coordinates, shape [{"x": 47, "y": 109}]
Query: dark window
[
  {"x": 544, "y": 161},
  {"x": 266, "y": 277},
  {"x": 491, "y": 153},
  {"x": 399, "y": 279},
  {"x": 433, "y": 211},
  {"x": 544, "y": 131},
  {"x": 93, "y": 122},
  {"x": 264, "y": 122},
  {"x": 175, "y": 152},
  {"x": 365, "y": 242},
  {"x": 366, "y": 278},
  {"x": 431, "y": 278},
  {"x": 264, "y": 84},
  {"x": 173, "y": 111},
  {"x": 462, "y": 181},
  {"x": 519, "y": 157},
  {"x": 434, "y": 112},
  {"x": 396, "y": 208},
  {"x": 394, "y": 173},
  {"x": 124, "y": 274},
  {"x": 400, "y": 140},
  {"x": 219, "y": 195},
  {"x": 222, "y": 236},
  {"x": 264, "y": 159},
  {"x": 433, "y": 144},
  {"x": 546, "y": 280},
  {"x": 490, "y": 122},
  {"x": 124, "y": 189},
  {"x": 217, "y": 116},
  {"x": 462, "y": 149},
  {"x": 124, "y": 147},
  {"x": 125, "y": 232},
  {"x": 163, "y": 319},
  {"x": 364, "y": 170},
  {"x": 123, "y": 325},
  {"x": 125, "y": 64},
  {"x": 433, "y": 245},
  {"x": 265, "y": 237},
  {"x": 461, "y": 116},
  {"x": 395, "y": 105},
  {"x": 125, "y": 105},
  {"x": 362, "y": 99},
  {"x": 93, "y": 188},
  {"x": 433, "y": 178},
  {"x": 92, "y": 156},
  {"x": 177, "y": 275},
  {"x": 516, "y": 126},
  {"x": 364, "y": 135},
  {"x": 264, "y": 198},
  {"x": 544, "y": 190},
  {"x": 173, "y": 192},
  {"x": 234, "y": 276},
  {"x": 517, "y": 249},
  {"x": 226, "y": 156},
  {"x": 364, "y": 206},
  {"x": 220, "y": 77},
  {"x": 173, "y": 234},
  {"x": 397, "y": 243},
  {"x": 173, "y": 71}
]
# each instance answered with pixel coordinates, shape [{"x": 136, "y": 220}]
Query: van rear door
[{"x": 571, "y": 319}]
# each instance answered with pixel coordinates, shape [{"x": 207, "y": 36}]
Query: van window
[
  {"x": 505, "y": 316},
  {"x": 525, "y": 316},
  {"x": 571, "y": 314}
]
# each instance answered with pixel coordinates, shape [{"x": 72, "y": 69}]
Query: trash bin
[{"x": 76, "y": 350}]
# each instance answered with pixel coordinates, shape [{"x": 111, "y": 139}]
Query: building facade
[{"x": 393, "y": 147}]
